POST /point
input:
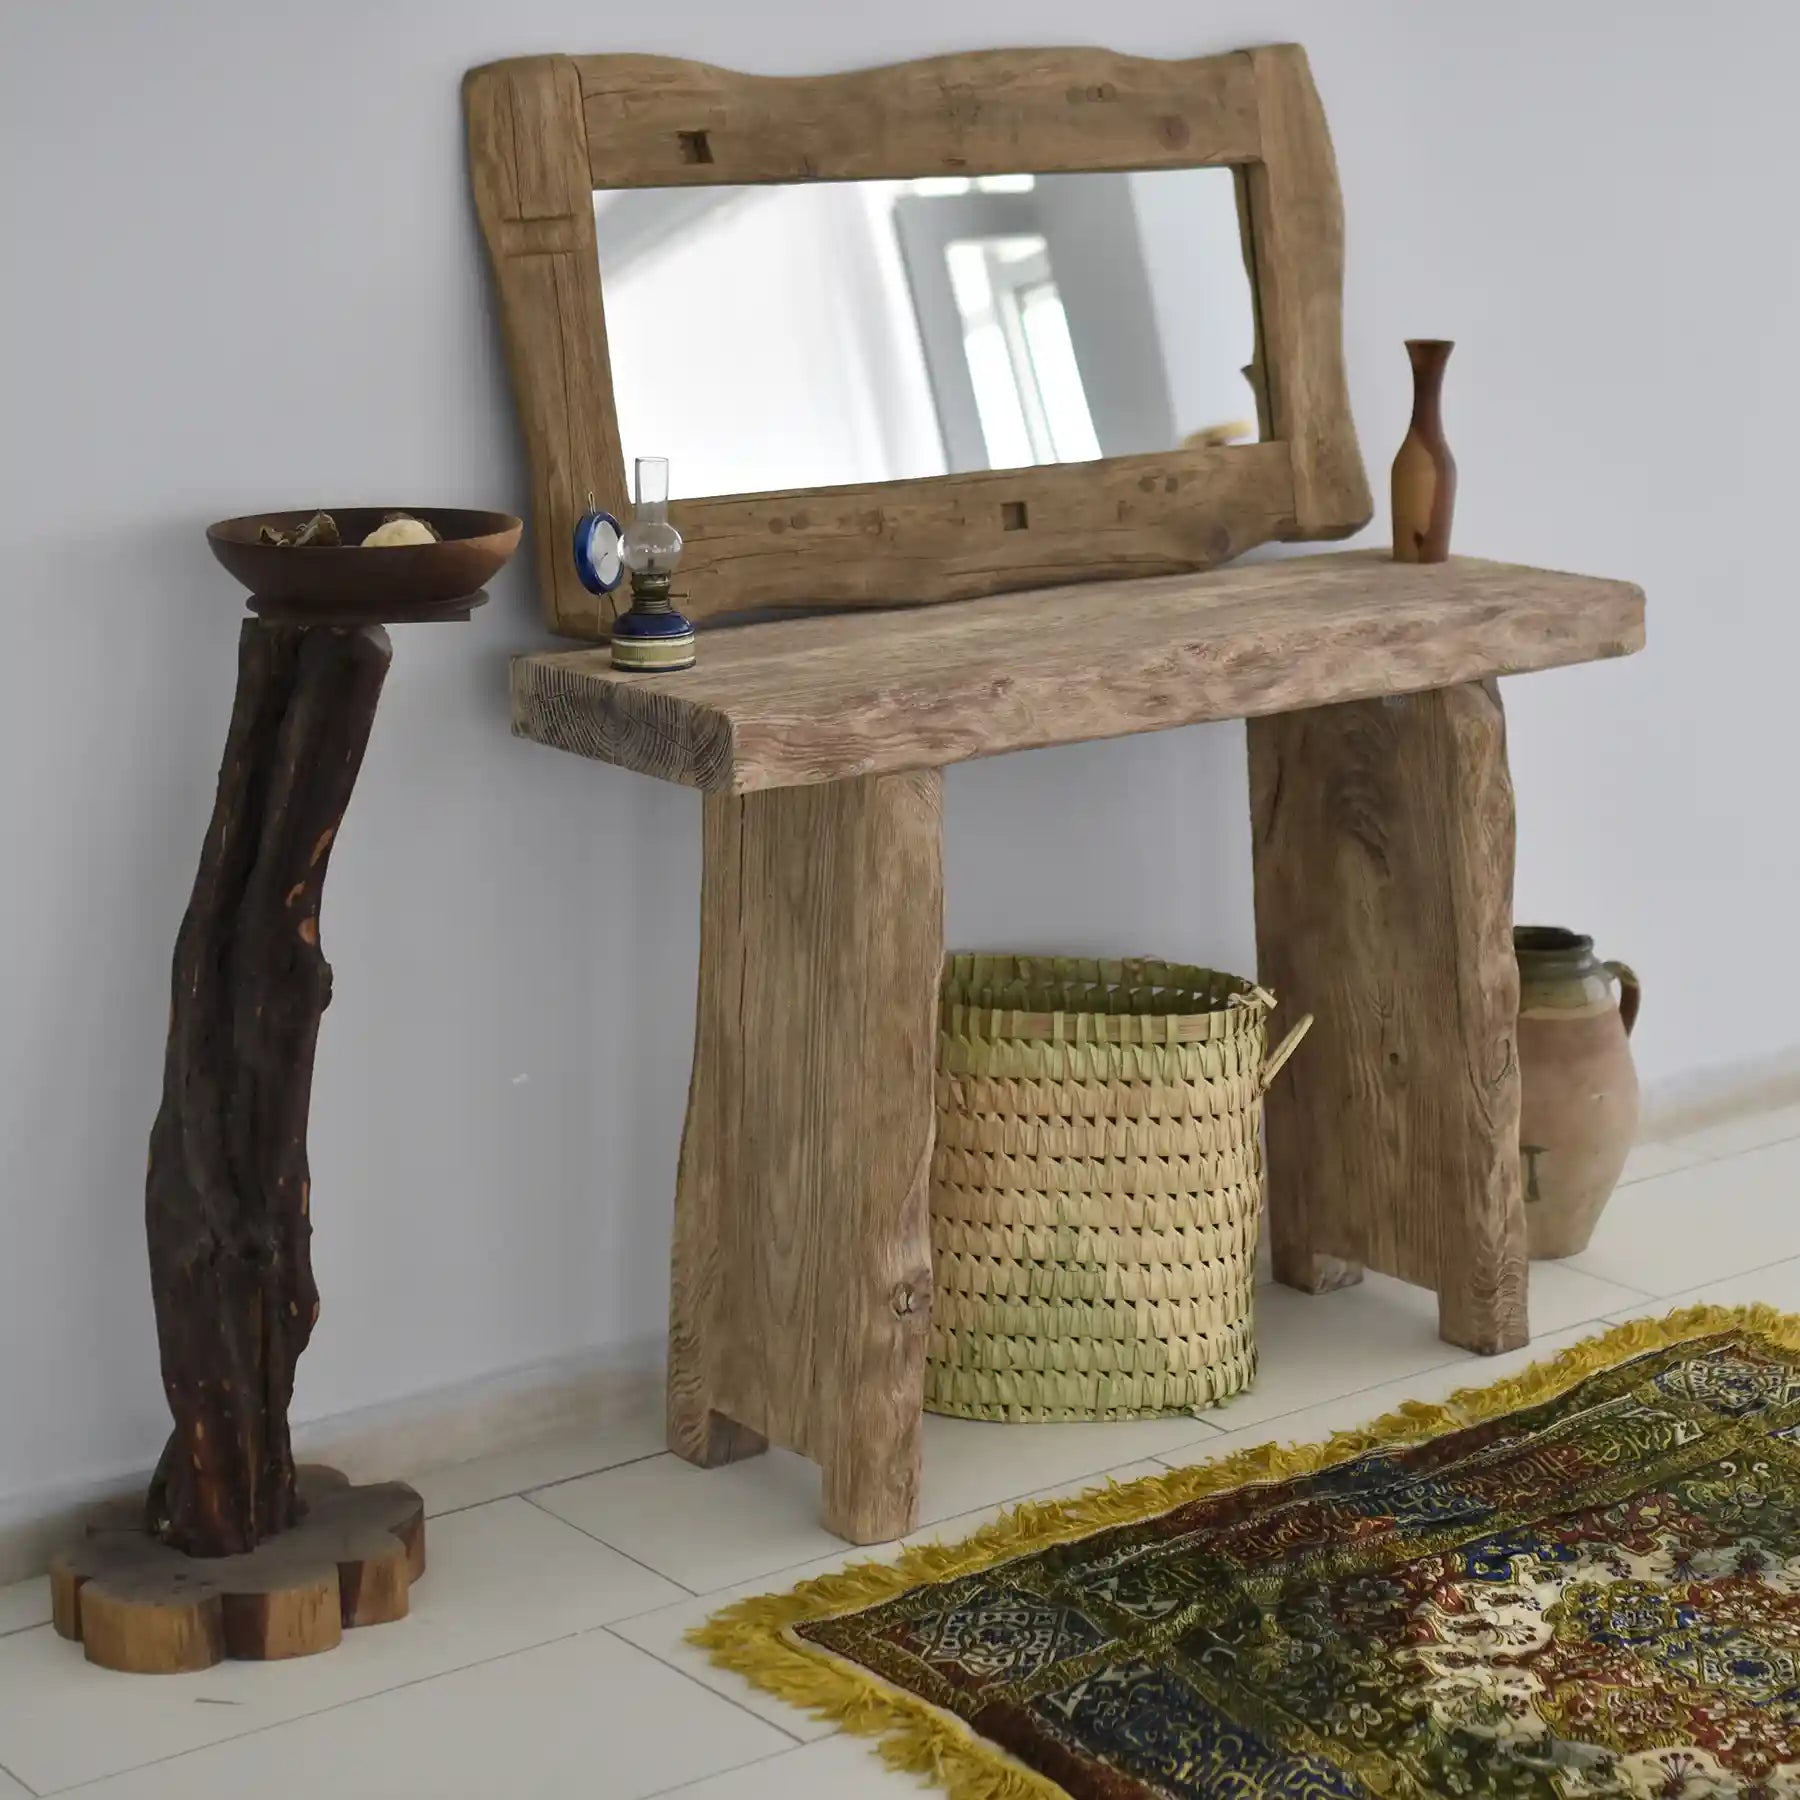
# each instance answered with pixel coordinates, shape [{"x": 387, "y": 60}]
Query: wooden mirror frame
[{"x": 546, "y": 131}]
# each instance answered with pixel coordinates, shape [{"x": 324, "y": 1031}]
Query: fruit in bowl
[
  {"x": 320, "y": 532},
  {"x": 399, "y": 529}
]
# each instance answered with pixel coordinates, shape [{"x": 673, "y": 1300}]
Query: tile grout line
[
  {"x": 479, "y": 1662},
  {"x": 717, "y": 1694},
  {"x": 720, "y": 1595},
  {"x": 1050, "y": 1494},
  {"x": 317, "y": 1712},
  {"x": 682, "y": 1787},
  {"x": 542, "y": 1487},
  {"x": 1675, "y": 1143},
  {"x": 630, "y": 1462},
  {"x": 1475, "y": 1361},
  {"x": 1675, "y": 1299},
  {"x": 595, "y": 1538},
  {"x": 24, "y": 1786},
  {"x": 1581, "y": 1268},
  {"x": 1471, "y": 1359},
  {"x": 1700, "y": 1160},
  {"x": 1719, "y": 1156},
  {"x": 529, "y": 1496}
]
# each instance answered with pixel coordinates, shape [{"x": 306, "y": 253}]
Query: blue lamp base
[{"x": 652, "y": 641}]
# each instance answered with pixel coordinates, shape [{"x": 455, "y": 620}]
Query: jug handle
[{"x": 1630, "y": 992}]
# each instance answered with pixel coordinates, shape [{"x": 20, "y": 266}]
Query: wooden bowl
[{"x": 347, "y": 584}]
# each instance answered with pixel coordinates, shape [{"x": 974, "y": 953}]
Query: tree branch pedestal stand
[{"x": 235, "y": 1552}]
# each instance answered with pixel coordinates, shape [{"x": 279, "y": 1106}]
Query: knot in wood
[{"x": 912, "y": 1297}]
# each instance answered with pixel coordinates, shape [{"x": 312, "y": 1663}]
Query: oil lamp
[{"x": 652, "y": 634}]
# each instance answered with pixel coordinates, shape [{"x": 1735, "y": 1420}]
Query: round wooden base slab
[{"x": 135, "y": 1604}]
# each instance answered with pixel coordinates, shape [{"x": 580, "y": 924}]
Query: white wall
[
  {"x": 242, "y": 271},
  {"x": 1205, "y": 311}
]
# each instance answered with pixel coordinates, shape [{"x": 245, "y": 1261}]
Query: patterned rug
[{"x": 1580, "y": 1582}]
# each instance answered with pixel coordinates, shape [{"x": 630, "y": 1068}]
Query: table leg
[
  {"x": 1383, "y": 847},
  {"x": 801, "y": 1281}
]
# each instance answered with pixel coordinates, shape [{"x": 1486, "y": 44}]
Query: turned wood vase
[
  {"x": 1424, "y": 481},
  {"x": 1579, "y": 1100}
]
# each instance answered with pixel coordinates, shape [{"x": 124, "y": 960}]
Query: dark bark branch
[{"x": 227, "y": 1198}]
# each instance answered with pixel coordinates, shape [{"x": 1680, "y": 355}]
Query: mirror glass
[{"x": 833, "y": 333}]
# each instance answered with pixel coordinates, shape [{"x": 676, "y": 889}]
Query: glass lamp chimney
[{"x": 652, "y": 546}]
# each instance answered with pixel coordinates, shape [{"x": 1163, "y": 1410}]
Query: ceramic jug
[{"x": 1579, "y": 1109}]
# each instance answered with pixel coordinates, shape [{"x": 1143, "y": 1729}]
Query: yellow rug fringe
[{"x": 757, "y": 1639}]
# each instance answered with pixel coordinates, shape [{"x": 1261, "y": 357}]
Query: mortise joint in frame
[
  {"x": 1013, "y": 516},
  {"x": 696, "y": 147}
]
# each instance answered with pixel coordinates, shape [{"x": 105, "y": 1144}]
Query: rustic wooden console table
[{"x": 1382, "y": 817}]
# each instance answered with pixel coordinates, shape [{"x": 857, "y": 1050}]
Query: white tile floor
[{"x": 544, "y": 1657}]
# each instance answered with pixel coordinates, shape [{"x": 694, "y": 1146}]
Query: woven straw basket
[{"x": 1096, "y": 1188}]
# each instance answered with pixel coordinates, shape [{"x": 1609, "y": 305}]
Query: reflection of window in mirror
[
  {"x": 841, "y": 332},
  {"x": 1006, "y": 374}
]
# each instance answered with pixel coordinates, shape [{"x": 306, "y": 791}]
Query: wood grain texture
[
  {"x": 1383, "y": 851},
  {"x": 528, "y": 166},
  {"x": 656, "y": 121},
  {"x": 801, "y": 1279},
  {"x": 542, "y": 128},
  {"x": 1423, "y": 487},
  {"x": 1296, "y": 231},
  {"x": 227, "y": 1200},
  {"x": 792, "y": 702},
  {"x": 948, "y": 537},
  {"x": 137, "y": 1605}
]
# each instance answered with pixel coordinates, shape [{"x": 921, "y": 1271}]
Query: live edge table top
[{"x": 794, "y": 701}]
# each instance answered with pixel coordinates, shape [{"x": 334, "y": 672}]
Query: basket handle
[{"x": 1282, "y": 1051}]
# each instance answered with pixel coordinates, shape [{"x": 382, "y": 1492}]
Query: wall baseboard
[
  {"x": 395, "y": 1441},
  {"x": 1711, "y": 1096},
  {"x": 403, "y": 1438}
]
